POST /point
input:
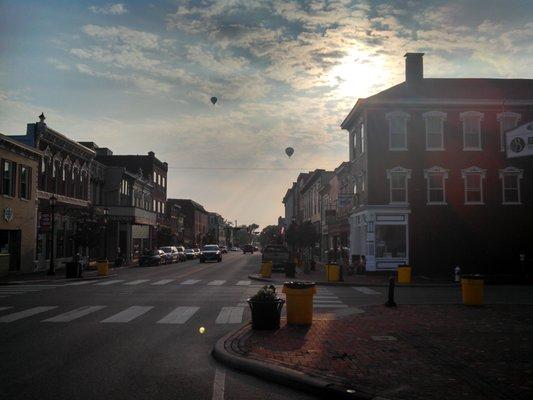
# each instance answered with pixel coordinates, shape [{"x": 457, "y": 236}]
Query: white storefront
[{"x": 381, "y": 234}]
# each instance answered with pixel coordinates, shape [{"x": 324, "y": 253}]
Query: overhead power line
[{"x": 245, "y": 168}]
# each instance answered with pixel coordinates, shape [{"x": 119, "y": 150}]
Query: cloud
[
  {"x": 109, "y": 9},
  {"x": 58, "y": 64}
]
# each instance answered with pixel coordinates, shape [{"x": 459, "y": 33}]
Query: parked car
[
  {"x": 152, "y": 257},
  {"x": 223, "y": 249},
  {"x": 171, "y": 253},
  {"x": 256, "y": 248},
  {"x": 248, "y": 248},
  {"x": 211, "y": 252},
  {"x": 198, "y": 252},
  {"x": 191, "y": 254},
  {"x": 234, "y": 249},
  {"x": 181, "y": 253},
  {"x": 278, "y": 254}
]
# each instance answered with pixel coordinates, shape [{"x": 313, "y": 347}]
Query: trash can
[
  {"x": 404, "y": 273},
  {"x": 266, "y": 269},
  {"x": 72, "y": 269},
  {"x": 332, "y": 272},
  {"x": 103, "y": 267},
  {"x": 472, "y": 289},
  {"x": 299, "y": 302},
  {"x": 290, "y": 270}
]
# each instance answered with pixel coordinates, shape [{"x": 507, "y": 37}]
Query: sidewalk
[
  {"x": 42, "y": 277},
  {"x": 409, "y": 352},
  {"x": 367, "y": 279}
]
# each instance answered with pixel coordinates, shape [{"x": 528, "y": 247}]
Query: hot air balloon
[
  {"x": 289, "y": 151},
  {"x": 214, "y": 100}
]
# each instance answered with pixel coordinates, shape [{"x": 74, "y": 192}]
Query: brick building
[
  {"x": 433, "y": 186},
  {"x": 195, "y": 222},
  {"x": 19, "y": 166}
]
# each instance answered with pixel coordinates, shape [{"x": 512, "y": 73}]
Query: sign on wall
[{"x": 519, "y": 141}]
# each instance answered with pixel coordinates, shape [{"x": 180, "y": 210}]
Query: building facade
[
  {"x": 217, "y": 229},
  {"x": 196, "y": 222},
  {"x": 19, "y": 167},
  {"x": 433, "y": 187}
]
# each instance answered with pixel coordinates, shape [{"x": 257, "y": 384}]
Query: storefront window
[{"x": 391, "y": 241}]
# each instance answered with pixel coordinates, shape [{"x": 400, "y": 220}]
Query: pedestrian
[{"x": 343, "y": 261}]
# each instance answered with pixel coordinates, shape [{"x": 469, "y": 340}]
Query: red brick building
[{"x": 433, "y": 186}]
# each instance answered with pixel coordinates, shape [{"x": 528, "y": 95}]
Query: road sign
[{"x": 519, "y": 141}]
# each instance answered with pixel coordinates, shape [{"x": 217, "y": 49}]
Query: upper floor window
[
  {"x": 436, "y": 189},
  {"x": 434, "y": 130},
  {"x": 507, "y": 120},
  {"x": 164, "y": 181},
  {"x": 8, "y": 178},
  {"x": 25, "y": 174},
  {"x": 510, "y": 177},
  {"x": 397, "y": 130},
  {"x": 473, "y": 178},
  {"x": 471, "y": 130},
  {"x": 398, "y": 177},
  {"x": 363, "y": 137}
]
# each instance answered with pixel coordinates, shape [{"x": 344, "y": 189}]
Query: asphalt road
[{"x": 148, "y": 332}]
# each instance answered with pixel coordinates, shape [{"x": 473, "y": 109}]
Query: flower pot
[{"x": 266, "y": 314}]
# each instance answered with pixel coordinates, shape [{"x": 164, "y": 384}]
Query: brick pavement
[{"x": 411, "y": 352}]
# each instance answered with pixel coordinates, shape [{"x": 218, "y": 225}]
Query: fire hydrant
[{"x": 457, "y": 274}]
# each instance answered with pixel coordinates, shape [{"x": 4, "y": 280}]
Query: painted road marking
[
  {"x": 110, "y": 282},
  {"x": 244, "y": 283},
  {"x": 78, "y": 283},
  {"x": 5, "y": 308},
  {"x": 74, "y": 314},
  {"x": 137, "y": 282},
  {"x": 216, "y": 283},
  {"x": 128, "y": 314},
  {"x": 162, "y": 282},
  {"x": 26, "y": 313},
  {"x": 319, "y": 301},
  {"x": 366, "y": 290},
  {"x": 325, "y": 296},
  {"x": 180, "y": 315},
  {"x": 329, "y": 305},
  {"x": 230, "y": 315},
  {"x": 218, "y": 384},
  {"x": 190, "y": 282}
]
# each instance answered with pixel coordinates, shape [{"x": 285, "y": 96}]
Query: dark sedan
[
  {"x": 211, "y": 252},
  {"x": 152, "y": 257}
]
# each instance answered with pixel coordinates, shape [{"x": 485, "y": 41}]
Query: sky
[{"x": 137, "y": 76}]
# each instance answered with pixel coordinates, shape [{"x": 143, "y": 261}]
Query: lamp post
[
  {"x": 106, "y": 212},
  {"x": 51, "y": 269}
]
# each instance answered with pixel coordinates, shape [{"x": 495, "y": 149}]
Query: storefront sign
[
  {"x": 8, "y": 214},
  {"x": 44, "y": 220},
  {"x": 519, "y": 141}
]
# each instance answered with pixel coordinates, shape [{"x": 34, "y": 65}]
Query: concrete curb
[
  {"x": 282, "y": 375},
  {"x": 355, "y": 284}
]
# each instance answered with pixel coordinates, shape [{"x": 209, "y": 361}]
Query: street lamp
[
  {"x": 106, "y": 212},
  {"x": 51, "y": 269}
]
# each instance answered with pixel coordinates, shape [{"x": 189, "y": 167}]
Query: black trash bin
[
  {"x": 72, "y": 269},
  {"x": 290, "y": 270}
]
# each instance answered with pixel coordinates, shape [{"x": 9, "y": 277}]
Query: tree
[
  {"x": 270, "y": 234},
  {"x": 164, "y": 236}
]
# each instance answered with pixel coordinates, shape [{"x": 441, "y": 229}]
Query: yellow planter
[
  {"x": 266, "y": 269},
  {"x": 332, "y": 272},
  {"x": 103, "y": 267},
  {"x": 472, "y": 291},
  {"x": 404, "y": 274},
  {"x": 299, "y": 305}
]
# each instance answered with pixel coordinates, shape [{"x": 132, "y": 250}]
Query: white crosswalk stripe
[
  {"x": 244, "y": 283},
  {"x": 320, "y": 301},
  {"x": 329, "y": 305},
  {"x": 5, "y": 308},
  {"x": 79, "y": 283},
  {"x": 26, "y": 313},
  {"x": 136, "y": 282},
  {"x": 180, "y": 315},
  {"x": 74, "y": 314},
  {"x": 230, "y": 315},
  {"x": 128, "y": 314},
  {"x": 162, "y": 282},
  {"x": 9, "y": 290},
  {"x": 216, "y": 283},
  {"x": 366, "y": 290},
  {"x": 190, "y": 282},
  {"x": 111, "y": 282}
]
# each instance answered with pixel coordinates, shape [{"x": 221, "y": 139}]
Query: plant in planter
[{"x": 266, "y": 308}]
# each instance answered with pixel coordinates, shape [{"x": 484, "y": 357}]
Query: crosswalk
[{"x": 10, "y": 290}]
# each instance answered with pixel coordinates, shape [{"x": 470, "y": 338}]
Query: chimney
[
  {"x": 151, "y": 154},
  {"x": 414, "y": 67}
]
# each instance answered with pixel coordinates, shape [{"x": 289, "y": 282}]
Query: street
[{"x": 138, "y": 335}]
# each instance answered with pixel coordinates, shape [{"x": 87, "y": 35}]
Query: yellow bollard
[
  {"x": 266, "y": 269},
  {"x": 332, "y": 272},
  {"x": 404, "y": 274},
  {"x": 103, "y": 267},
  {"x": 299, "y": 302},
  {"x": 472, "y": 290}
]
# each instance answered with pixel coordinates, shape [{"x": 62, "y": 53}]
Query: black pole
[
  {"x": 105, "y": 239},
  {"x": 390, "y": 301},
  {"x": 51, "y": 269}
]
